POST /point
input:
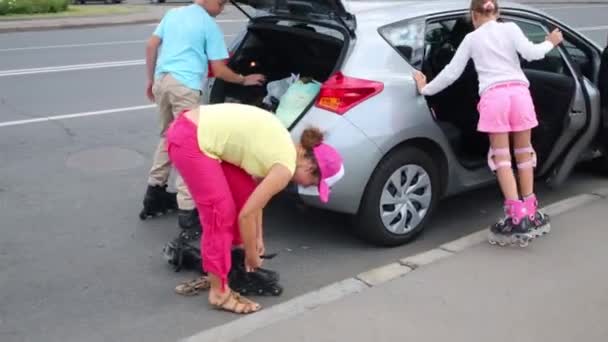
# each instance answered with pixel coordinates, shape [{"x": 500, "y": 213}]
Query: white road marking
[
  {"x": 73, "y": 67},
  {"x": 73, "y": 116},
  {"x": 219, "y": 21},
  {"x": 61, "y": 46},
  {"x": 592, "y": 28},
  {"x": 29, "y": 71},
  {"x": 73, "y": 45},
  {"x": 570, "y": 7}
]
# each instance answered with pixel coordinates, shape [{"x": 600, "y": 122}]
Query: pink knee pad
[
  {"x": 501, "y": 164},
  {"x": 530, "y": 164}
]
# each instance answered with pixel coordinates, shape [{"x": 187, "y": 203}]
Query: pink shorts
[{"x": 506, "y": 107}]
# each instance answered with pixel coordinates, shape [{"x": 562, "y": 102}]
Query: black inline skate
[
  {"x": 514, "y": 228},
  {"x": 188, "y": 220},
  {"x": 183, "y": 252},
  {"x": 158, "y": 201},
  {"x": 262, "y": 282},
  {"x": 505, "y": 232},
  {"x": 540, "y": 222}
]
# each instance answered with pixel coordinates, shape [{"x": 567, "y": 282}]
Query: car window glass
[
  {"x": 553, "y": 61},
  {"x": 582, "y": 60},
  {"x": 441, "y": 40},
  {"x": 407, "y": 37}
]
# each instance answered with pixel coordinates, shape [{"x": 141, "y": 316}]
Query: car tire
[{"x": 406, "y": 162}]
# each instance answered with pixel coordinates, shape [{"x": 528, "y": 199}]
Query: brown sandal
[
  {"x": 240, "y": 305},
  {"x": 193, "y": 287}
]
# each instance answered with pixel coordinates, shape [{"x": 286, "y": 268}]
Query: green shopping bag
[{"x": 295, "y": 100}]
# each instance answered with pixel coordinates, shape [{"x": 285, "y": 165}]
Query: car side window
[
  {"x": 441, "y": 40},
  {"x": 553, "y": 61},
  {"x": 581, "y": 59},
  {"x": 407, "y": 37}
]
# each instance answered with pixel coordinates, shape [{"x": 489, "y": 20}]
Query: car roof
[{"x": 379, "y": 13}]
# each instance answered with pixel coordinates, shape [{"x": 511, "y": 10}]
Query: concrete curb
[
  {"x": 243, "y": 326},
  {"x": 383, "y": 274}
]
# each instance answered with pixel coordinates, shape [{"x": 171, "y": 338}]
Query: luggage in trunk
[{"x": 282, "y": 53}]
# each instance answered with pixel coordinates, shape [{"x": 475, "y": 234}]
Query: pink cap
[{"x": 331, "y": 170}]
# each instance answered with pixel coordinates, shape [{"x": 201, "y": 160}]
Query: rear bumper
[{"x": 360, "y": 156}]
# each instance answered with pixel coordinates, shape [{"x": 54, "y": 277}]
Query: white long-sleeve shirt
[{"x": 494, "y": 48}]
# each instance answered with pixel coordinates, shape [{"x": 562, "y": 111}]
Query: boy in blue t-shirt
[{"x": 185, "y": 42}]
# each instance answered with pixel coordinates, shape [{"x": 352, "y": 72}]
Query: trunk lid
[{"x": 323, "y": 10}]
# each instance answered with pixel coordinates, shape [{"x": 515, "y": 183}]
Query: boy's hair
[{"x": 485, "y": 7}]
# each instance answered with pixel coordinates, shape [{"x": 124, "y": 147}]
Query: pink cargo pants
[{"x": 219, "y": 191}]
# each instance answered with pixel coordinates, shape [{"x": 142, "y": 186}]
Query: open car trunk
[{"x": 278, "y": 52}]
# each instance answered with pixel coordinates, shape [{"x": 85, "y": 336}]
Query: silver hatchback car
[{"x": 404, "y": 152}]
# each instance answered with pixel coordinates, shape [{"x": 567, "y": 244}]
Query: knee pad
[
  {"x": 529, "y": 164},
  {"x": 497, "y": 153}
]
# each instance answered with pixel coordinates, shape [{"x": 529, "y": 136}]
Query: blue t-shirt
[{"x": 190, "y": 39}]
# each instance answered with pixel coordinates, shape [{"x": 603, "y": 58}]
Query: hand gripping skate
[{"x": 261, "y": 282}]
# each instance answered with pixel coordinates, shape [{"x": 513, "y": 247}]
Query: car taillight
[
  {"x": 341, "y": 93},
  {"x": 210, "y": 72}
]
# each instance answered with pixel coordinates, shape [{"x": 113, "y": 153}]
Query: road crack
[{"x": 15, "y": 110}]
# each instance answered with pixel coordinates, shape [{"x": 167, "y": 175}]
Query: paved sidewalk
[{"x": 555, "y": 290}]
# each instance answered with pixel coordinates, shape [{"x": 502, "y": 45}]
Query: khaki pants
[{"x": 171, "y": 97}]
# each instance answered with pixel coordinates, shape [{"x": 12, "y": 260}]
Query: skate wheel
[
  {"x": 492, "y": 242},
  {"x": 142, "y": 216},
  {"x": 502, "y": 243},
  {"x": 523, "y": 243}
]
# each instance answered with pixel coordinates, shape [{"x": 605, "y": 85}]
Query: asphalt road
[{"x": 76, "y": 264}]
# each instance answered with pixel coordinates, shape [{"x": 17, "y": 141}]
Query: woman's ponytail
[{"x": 311, "y": 137}]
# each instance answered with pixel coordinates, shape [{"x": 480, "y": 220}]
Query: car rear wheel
[{"x": 399, "y": 198}]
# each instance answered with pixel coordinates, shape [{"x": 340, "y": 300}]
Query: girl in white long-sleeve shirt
[{"x": 505, "y": 109}]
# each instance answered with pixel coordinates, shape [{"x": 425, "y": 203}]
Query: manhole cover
[{"x": 105, "y": 159}]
